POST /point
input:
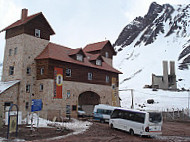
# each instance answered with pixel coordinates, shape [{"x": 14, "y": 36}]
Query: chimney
[
  {"x": 24, "y": 14},
  {"x": 172, "y": 68},
  {"x": 165, "y": 74}
]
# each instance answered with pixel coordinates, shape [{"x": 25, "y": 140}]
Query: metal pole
[
  {"x": 188, "y": 102},
  {"x": 132, "y": 105},
  {"x": 132, "y": 96}
]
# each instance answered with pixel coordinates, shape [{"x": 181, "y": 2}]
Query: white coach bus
[{"x": 137, "y": 122}]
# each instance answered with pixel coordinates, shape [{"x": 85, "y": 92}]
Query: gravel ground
[
  {"x": 172, "y": 131},
  {"x": 98, "y": 132}
]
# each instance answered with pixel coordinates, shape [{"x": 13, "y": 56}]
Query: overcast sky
[{"x": 79, "y": 22}]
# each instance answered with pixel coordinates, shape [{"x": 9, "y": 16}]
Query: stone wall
[
  {"x": 28, "y": 48},
  {"x": 75, "y": 88},
  {"x": 10, "y": 95}
]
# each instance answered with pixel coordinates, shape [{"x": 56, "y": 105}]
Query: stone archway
[{"x": 87, "y": 100}]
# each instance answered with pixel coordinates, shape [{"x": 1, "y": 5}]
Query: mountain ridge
[
  {"x": 162, "y": 34},
  {"x": 160, "y": 20}
]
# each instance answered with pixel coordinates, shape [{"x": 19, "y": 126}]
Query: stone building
[
  {"x": 61, "y": 77},
  {"x": 167, "y": 81}
]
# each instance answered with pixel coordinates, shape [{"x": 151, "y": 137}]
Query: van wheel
[
  {"x": 111, "y": 126},
  {"x": 131, "y": 132}
]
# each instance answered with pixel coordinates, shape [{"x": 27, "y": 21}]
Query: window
[
  {"x": 68, "y": 93},
  {"x": 27, "y": 105},
  {"x": 79, "y": 57},
  {"x": 155, "y": 117},
  {"x": 106, "y": 54},
  {"x": 7, "y": 105},
  {"x": 89, "y": 76},
  {"x": 15, "y": 51},
  {"x": 68, "y": 110},
  {"x": 28, "y": 71},
  {"x": 104, "y": 111},
  {"x": 27, "y": 88},
  {"x": 98, "y": 62},
  {"x": 10, "y": 52},
  {"x": 42, "y": 71},
  {"x": 68, "y": 72},
  {"x": 11, "y": 70},
  {"x": 37, "y": 33},
  {"x": 107, "y": 79},
  {"x": 41, "y": 87},
  {"x": 129, "y": 115},
  {"x": 74, "y": 108}
]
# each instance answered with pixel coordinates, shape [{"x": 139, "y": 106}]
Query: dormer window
[
  {"x": 37, "y": 33},
  {"x": 98, "y": 62},
  {"x": 106, "y": 54},
  {"x": 80, "y": 57}
]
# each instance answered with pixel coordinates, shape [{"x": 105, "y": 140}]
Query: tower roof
[{"x": 25, "y": 19}]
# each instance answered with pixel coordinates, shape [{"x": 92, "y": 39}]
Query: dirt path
[
  {"x": 98, "y": 132},
  {"x": 172, "y": 131}
]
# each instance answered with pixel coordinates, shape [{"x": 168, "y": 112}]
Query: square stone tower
[{"x": 25, "y": 40}]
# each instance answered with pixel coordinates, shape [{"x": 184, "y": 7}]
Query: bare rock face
[{"x": 153, "y": 24}]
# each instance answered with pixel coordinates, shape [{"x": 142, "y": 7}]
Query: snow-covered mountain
[{"x": 162, "y": 34}]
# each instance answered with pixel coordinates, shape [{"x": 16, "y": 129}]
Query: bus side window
[
  {"x": 115, "y": 114},
  {"x": 131, "y": 116},
  {"x": 126, "y": 115},
  {"x": 99, "y": 111}
]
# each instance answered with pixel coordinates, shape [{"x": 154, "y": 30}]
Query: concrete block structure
[
  {"x": 63, "y": 78},
  {"x": 167, "y": 81}
]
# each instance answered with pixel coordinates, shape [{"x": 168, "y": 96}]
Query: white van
[
  {"x": 137, "y": 122},
  {"x": 102, "y": 112}
]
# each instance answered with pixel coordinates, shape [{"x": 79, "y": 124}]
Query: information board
[{"x": 36, "y": 105}]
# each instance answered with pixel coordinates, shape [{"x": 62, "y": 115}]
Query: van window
[{"x": 104, "y": 111}]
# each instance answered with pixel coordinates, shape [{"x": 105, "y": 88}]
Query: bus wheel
[{"x": 131, "y": 132}]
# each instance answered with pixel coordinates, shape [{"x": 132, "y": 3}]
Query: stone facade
[
  {"x": 9, "y": 95},
  {"x": 28, "y": 47},
  {"x": 75, "y": 89}
]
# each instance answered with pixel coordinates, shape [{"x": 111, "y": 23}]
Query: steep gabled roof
[
  {"x": 61, "y": 53},
  {"x": 26, "y": 20},
  {"x": 54, "y": 51},
  {"x": 95, "y": 46},
  {"x": 92, "y": 57},
  {"x": 76, "y": 51}
]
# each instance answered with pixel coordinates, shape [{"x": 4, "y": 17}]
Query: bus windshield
[{"x": 155, "y": 117}]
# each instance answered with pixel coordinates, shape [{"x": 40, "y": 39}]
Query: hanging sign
[
  {"x": 58, "y": 83},
  {"x": 114, "y": 92}
]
